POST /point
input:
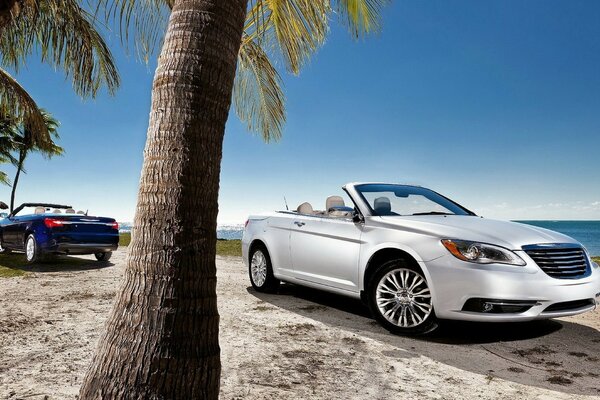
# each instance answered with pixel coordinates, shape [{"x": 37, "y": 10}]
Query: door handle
[{"x": 299, "y": 223}]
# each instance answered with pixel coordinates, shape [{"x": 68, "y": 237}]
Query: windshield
[{"x": 386, "y": 199}]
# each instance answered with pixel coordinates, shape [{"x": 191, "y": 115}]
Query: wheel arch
[
  {"x": 254, "y": 243},
  {"x": 388, "y": 252}
]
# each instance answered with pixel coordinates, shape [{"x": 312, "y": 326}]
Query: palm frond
[
  {"x": 16, "y": 103},
  {"x": 147, "y": 19},
  {"x": 299, "y": 27},
  {"x": 47, "y": 148},
  {"x": 65, "y": 36},
  {"x": 361, "y": 16},
  {"x": 4, "y": 180},
  {"x": 257, "y": 92}
]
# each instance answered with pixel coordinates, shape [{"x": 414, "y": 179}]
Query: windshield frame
[{"x": 358, "y": 190}]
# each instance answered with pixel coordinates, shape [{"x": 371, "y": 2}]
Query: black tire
[
  {"x": 103, "y": 256},
  {"x": 411, "y": 303},
  {"x": 36, "y": 254},
  {"x": 269, "y": 284}
]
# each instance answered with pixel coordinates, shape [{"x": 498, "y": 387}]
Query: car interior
[
  {"x": 43, "y": 210},
  {"x": 334, "y": 208}
]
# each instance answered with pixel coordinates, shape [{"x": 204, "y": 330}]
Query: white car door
[{"x": 326, "y": 250}]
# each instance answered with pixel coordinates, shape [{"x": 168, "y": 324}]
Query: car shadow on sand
[
  {"x": 52, "y": 264},
  {"x": 552, "y": 354}
]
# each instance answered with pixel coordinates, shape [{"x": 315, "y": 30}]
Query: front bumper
[{"x": 453, "y": 282}]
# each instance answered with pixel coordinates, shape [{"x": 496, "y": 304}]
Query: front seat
[
  {"x": 40, "y": 210},
  {"x": 305, "y": 208},
  {"x": 382, "y": 206},
  {"x": 334, "y": 201}
]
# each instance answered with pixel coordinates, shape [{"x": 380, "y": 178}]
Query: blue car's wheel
[
  {"x": 103, "y": 256},
  {"x": 32, "y": 251}
]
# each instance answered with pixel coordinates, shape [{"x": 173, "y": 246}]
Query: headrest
[
  {"x": 80, "y": 213},
  {"x": 334, "y": 201},
  {"x": 69, "y": 211},
  {"x": 382, "y": 206},
  {"x": 40, "y": 210},
  {"x": 56, "y": 211},
  {"x": 305, "y": 208}
]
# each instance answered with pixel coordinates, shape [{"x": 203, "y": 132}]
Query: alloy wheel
[
  {"x": 30, "y": 248},
  {"x": 403, "y": 298},
  {"x": 258, "y": 268}
]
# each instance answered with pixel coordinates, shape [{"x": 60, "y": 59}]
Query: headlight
[{"x": 481, "y": 253}]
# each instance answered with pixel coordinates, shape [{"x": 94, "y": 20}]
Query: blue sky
[{"x": 495, "y": 104}]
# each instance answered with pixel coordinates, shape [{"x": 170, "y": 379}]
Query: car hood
[{"x": 511, "y": 235}]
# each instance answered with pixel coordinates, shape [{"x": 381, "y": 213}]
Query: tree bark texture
[{"x": 161, "y": 339}]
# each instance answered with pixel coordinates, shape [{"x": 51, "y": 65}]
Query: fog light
[{"x": 487, "y": 307}]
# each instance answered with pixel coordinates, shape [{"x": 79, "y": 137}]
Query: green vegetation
[
  {"x": 15, "y": 265},
  {"x": 124, "y": 239},
  {"x": 224, "y": 247},
  {"x": 229, "y": 247},
  {"x": 596, "y": 259},
  {"x": 12, "y": 265}
]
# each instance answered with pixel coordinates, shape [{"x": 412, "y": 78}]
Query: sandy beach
[{"x": 298, "y": 344}]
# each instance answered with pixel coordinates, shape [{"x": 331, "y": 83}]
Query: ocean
[{"x": 586, "y": 232}]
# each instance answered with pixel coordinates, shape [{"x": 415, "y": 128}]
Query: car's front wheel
[
  {"x": 103, "y": 256},
  {"x": 33, "y": 253},
  {"x": 261, "y": 271},
  {"x": 400, "y": 299}
]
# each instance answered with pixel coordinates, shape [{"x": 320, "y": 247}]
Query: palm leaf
[
  {"x": 16, "y": 102},
  {"x": 64, "y": 35},
  {"x": 146, "y": 18},
  {"x": 299, "y": 27},
  {"x": 257, "y": 94},
  {"x": 361, "y": 16}
]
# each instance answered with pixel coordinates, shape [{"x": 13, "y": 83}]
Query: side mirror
[
  {"x": 357, "y": 216},
  {"x": 3, "y": 206}
]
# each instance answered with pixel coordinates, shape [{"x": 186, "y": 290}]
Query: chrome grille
[{"x": 563, "y": 261}]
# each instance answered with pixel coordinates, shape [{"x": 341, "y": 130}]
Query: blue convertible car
[{"x": 38, "y": 229}]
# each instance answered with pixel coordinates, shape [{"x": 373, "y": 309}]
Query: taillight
[
  {"x": 115, "y": 225},
  {"x": 53, "y": 223}
]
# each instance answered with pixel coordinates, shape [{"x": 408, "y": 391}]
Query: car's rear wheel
[
  {"x": 33, "y": 253},
  {"x": 400, "y": 299},
  {"x": 103, "y": 256},
  {"x": 261, "y": 271}
]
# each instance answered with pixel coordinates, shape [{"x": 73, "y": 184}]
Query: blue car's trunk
[{"x": 79, "y": 229}]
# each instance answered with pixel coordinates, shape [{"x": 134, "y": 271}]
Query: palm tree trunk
[
  {"x": 161, "y": 339},
  {"x": 22, "y": 154}
]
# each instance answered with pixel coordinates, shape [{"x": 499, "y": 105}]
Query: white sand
[{"x": 299, "y": 344}]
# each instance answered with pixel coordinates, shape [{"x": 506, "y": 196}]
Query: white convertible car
[{"x": 415, "y": 256}]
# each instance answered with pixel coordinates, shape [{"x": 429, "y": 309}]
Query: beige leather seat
[
  {"x": 334, "y": 201},
  {"x": 80, "y": 213},
  {"x": 305, "y": 208},
  {"x": 69, "y": 211},
  {"x": 57, "y": 211},
  {"x": 40, "y": 210}
]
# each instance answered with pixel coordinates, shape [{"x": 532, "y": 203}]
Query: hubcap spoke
[
  {"x": 258, "y": 268},
  {"x": 403, "y": 298}
]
